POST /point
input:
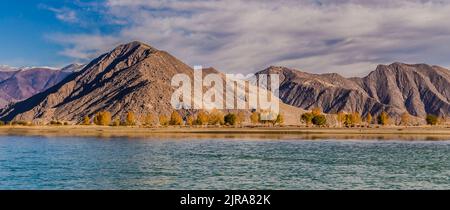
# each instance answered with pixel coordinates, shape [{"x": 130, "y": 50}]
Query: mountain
[
  {"x": 17, "y": 84},
  {"x": 132, "y": 77},
  {"x": 397, "y": 88}
]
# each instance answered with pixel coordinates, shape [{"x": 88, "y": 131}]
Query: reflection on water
[{"x": 200, "y": 162}]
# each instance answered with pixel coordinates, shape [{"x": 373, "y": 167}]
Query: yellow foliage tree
[
  {"x": 190, "y": 120},
  {"x": 163, "y": 120},
  {"x": 86, "y": 120},
  {"x": 383, "y": 119},
  {"x": 202, "y": 118},
  {"x": 254, "y": 118},
  {"x": 240, "y": 117},
  {"x": 116, "y": 121},
  {"x": 356, "y": 118},
  {"x": 102, "y": 118},
  {"x": 216, "y": 117},
  {"x": 341, "y": 118},
  {"x": 149, "y": 119},
  {"x": 369, "y": 119},
  {"x": 316, "y": 111},
  {"x": 130, "y": 119},
  {"x": 175, "y": 119}
]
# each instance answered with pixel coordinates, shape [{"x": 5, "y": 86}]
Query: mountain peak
[{"x": 136, "y": 44}]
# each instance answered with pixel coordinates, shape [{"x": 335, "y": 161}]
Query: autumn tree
[
  {"x": 216, "y": 117},
  {"x": 383, "y": 118},
  {"x": 255, "y": 118},
  {"x": 130, "y": 119},
  {"x": 369, "y": 119},
  {"x": 202, "y": 118},
  {"x": 316, "y": 111},
  {"x": 102, "y": 118},
  {"x": 149, "y": 119},
  {"x": 340, "y": 118},
  {"x": 279, "y": 120},
  {"x": 190, "y": 120},
  {"x": 163, "y": 120},
  {"x": 116, "y": 121},
  {"x": 307, "y": 118},
  {"x": 175, "y": 119},
  {"x": 240, "y": 117},
  {"x": 86, "y": 120},
  {"x": 356, "y": 118}
]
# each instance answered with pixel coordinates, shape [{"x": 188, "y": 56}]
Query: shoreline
[{"x": 408, "y": 133}]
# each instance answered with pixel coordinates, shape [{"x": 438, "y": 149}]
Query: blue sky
[{"x": 345, "y": 36}]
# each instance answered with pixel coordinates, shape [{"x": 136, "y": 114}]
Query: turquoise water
[{"x": 121, "y": 163}]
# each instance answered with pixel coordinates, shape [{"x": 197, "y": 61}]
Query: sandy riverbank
[{"x": 279, "y": 132}]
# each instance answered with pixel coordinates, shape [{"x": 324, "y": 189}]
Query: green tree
[
  {"x": 319, "y": 120},
  {"x": 432, "y": 119},
  {"x": 231, "y": 119},
  {"x": 175, "y": 119},
  {"x": 307, "y": 118}
]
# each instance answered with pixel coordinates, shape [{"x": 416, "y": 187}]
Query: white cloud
[
  {"x": 63, "y": 14},
  {"x": 344, "y": 36}
]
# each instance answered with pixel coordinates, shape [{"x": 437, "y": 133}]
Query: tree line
[{"x": 201, "y": 118}]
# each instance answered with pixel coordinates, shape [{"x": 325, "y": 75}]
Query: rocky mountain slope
[
  {"x": 17, "y": 84},
  {"x": 397, "y": 88},
  {"x": 132, "y": 77}
]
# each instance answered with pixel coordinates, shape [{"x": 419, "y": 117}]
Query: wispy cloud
[
  {"x": 345, "y": 36},
  {"x": 63, "y": 14}
]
